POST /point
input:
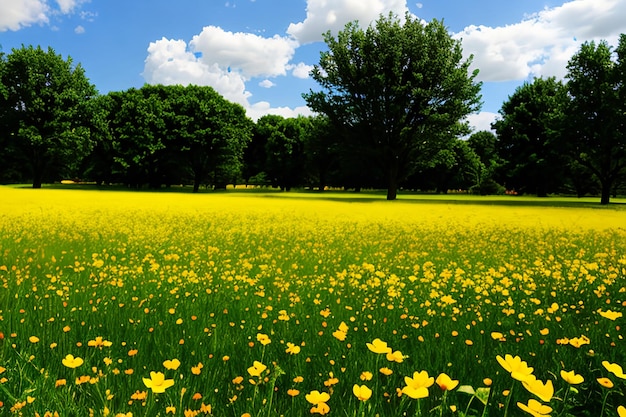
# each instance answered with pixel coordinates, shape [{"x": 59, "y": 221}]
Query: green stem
[
  {"x": 508, "y": 400},
  {"x": 565, "y": 401},
  {"x": 604, "y": 403}
]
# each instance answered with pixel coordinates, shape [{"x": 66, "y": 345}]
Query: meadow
[{"x": 239, "y": 304}]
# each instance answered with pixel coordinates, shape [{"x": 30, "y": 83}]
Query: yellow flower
[
  {"x": 157, "y": 382},
  {"x": 339, "y": 335},
  {"x": 362, "y": 392},
  {"x": 171, "y": 364},
  {"x": 196, "y": 370},
  {"x": 621, "y": 411},
  {"x": 256, "y": 369},
  {"x": 170, "y": 409},
  {"x": 386, "y": 371},
  {"x": 535, "y": 408},
  {"x": 609, "y": 314},
  {"x": 579, "y": 341},
  {"x": 446, "y": 383},
  {"x": 417, "y": 387},
  {"x": 378, "y": 346},
  {"x": 605, "y": 382},
  {"x": 316, "y": 397},
  {"x": 615, "y": 369},
  {"x": 543, "y": 391},
  {"x": 263, "y": 339},
  {"x": 366, "y": 376},
  {"x": 571, "y": 377},
  {"x": 518, "y": 368},
  {"x": 292, "y": 392},
  {"x": 497, "y": 335},
  {"x": 395, "y": 356},
  {"x": 60, "y": 383},
  {"x": 321, "y": 408},
  {"x": 292, "y": 349},
  {"x": 71, "y": 362},
  {"x": 33, "y": 339}
]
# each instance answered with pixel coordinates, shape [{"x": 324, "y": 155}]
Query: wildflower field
[{"x": 251, "y": 304}]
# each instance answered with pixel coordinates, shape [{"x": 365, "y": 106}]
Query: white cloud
[
  {"x": 301, "y": 70},
  {"x": 324, "y": 15},
  {"x": 481, "y": 121},
  {"x": 266, "y": 84},
  {"x": 79, "y": 30},
  {"x": 253, "y": 55},
  {"x": 543, "y": 43},
  {"x": 17, "y": 14},
  {"x": 262, "y": 108}
]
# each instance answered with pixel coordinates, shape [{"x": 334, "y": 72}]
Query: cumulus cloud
[
  {"x": 300, "y": 70},
  {"x": 253, "y": 55},
  {"x": 79, "y": 30},
  {"x": 324, "y": 15},
  {"x": 481, "y": 121},
  {"x": 15, "y": 15},
  {"x": 266, "y": 84},
  {"x": 542, "y": 43}
]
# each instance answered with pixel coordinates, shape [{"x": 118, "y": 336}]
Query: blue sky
[{"x": 258, "y": 52}]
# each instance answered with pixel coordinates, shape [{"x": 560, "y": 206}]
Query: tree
[
  {"x": 44, "y": 112},
  {"x": 321, "y": 151},
  {"x": 528, "y": 136},
  {"x": 597, "y": 114},
  {"x": 484, "y": 170},
  {"x": 395, "y": 91},
  {"x": 284, "y": 149}
]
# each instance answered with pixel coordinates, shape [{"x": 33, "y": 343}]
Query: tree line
[{"x": 390, "y": 114}]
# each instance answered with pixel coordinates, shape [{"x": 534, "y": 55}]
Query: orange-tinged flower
[
  {"x": 378, "y": 346},
  {"x": 609, "y": 314},
  {"x": 366, "y": 376},
  {"x": 579, "y": 341},
  {"x": 196, "y": 370},
  {"x": 292, "y": 392},
  {"x": 535, "y": 408},
  {"x": 237, "y": 380},
  {"x": 417, "y": 387},
  {"x": 321, "y": 408},
  {"x": 256, "y": 369},
  {"x": 315, "y": 397},
  {"x": 60, "y": 383},
  {"x": 446, "y": 383},
  {"x": 571, "y": 377},
  {"x": 614, "y": 368},
  {"x": 292, "y": 349},
  {"x": 171, "y": 364},
  {"x": 362, "y": 392},
  {"x": 518, "y": 368},
  {"x": 395, "y": 356},
  {"x": 157, "y": 382},
  {"x": 386, "y": 371},
  {"x": 605, "y": 382},
  {"x": 170, "y": 409},
  {"x": 71, "y": 362},
  {"x": 543, "y": 391}
]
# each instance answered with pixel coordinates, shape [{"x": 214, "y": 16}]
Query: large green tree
[
  {"x": 528, "y": 136},
  {"x": 597, "y": 114},
  {"x": 44, "y": 112},
  {"x": 395, "y": 90}
]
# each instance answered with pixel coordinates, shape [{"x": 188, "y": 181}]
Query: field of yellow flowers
[{"x": 250, "y": 304}]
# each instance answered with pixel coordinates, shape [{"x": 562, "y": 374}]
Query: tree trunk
[{"x": 606, "y": 192}]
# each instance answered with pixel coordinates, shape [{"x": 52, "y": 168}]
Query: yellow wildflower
[
  {"x": 71, "y": 362},
  {"x": 378, "y": 346},
  {"x": 571, "y": 377},
  {"x": 615, "y": 369},
  {"x": 518, "y": 368},
  {"x": 535, "y": 408},
  {"x": 446, "y": 383},
  {"x": 157, "y": 382},
  {"x": 543, "y": 391},
  {"x": 362, "y": 392},
  {"x": 417, "y": 387}
]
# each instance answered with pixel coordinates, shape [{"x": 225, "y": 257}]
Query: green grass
[{"x": 197, "y": 278}]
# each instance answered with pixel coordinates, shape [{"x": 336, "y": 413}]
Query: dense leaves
[
  {"x": 43, "y": 114},
  {"x": 397, "y": 90}
]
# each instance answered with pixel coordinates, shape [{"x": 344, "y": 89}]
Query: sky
[{"x": 258, "y": 53}]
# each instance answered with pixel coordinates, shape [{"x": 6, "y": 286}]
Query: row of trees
[{"x": 391, "y": 111}]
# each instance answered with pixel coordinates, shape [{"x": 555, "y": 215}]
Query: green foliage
[
  {"x": 597, "y": 114},
  {"x": 44, "y": 113},
  {"x": 395, "y": 91},
  {"x": 530, "y": 138}
]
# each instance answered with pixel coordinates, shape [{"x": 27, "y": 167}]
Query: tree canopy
[
  {"x": 597, "y": 115},
  {"x": 396, "y": 91},
  {"x": 43, "y": 112}
]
